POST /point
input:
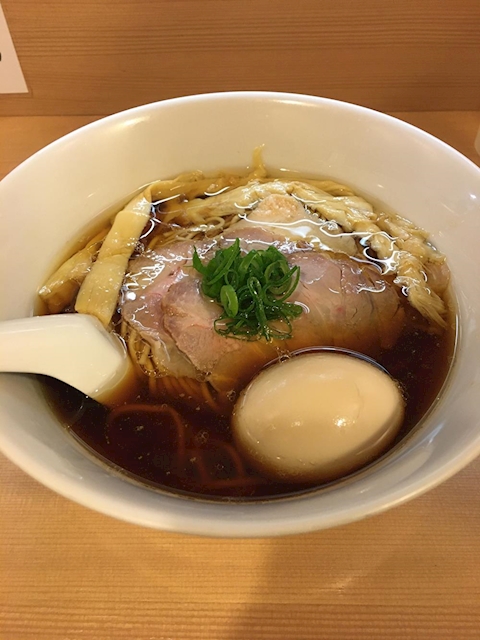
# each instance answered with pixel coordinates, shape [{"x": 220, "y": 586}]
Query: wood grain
[
  {"x": 85, "y": 57},
  {"x": 71, "y": 574}
]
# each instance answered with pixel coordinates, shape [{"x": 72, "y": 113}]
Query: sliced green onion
[
  {"x": 229, "y": 300},
  {"x": 252, "y": 289}
]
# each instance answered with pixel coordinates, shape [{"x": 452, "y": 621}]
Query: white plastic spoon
[{"x": 74, "y": 348}]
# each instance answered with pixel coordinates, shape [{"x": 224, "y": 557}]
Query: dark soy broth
[
  {"x": 180, "y": 443},
  {"x": 146, "y": 445}
]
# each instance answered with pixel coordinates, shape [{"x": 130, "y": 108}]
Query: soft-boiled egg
[{"x": 317, "y": 416}]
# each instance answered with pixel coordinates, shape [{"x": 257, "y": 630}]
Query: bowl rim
[{"x": 276, "y": 96}]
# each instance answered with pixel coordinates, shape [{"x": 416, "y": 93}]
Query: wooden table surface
[
  {"x": 83, "y": 57},
  {"x": 71, "y": 574}
]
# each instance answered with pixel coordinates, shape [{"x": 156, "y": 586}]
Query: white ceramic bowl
[{"x": 54, "y": 194}]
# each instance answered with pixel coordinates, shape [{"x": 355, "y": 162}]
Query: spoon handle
[{"x": 74, "y": 348}]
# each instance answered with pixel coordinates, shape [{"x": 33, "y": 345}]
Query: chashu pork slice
[
  {"x": 149, "y": 279},
  {"x": 346, "y": 303}
]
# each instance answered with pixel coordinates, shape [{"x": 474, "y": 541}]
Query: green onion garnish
[{"x": 252, "y": 289}]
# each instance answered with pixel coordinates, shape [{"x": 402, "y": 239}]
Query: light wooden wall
[{"x": 97, "y": 57}]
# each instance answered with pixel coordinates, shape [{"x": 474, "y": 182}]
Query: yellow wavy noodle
[
  {"x": 194, "y": 456},
  {"x": 163, "y": 386},
  {"x": 163, "y": 409},
  {"x": 194, "y": 392}
]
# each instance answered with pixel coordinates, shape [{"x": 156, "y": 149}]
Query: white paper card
[{"x": 11, "y": 76}]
